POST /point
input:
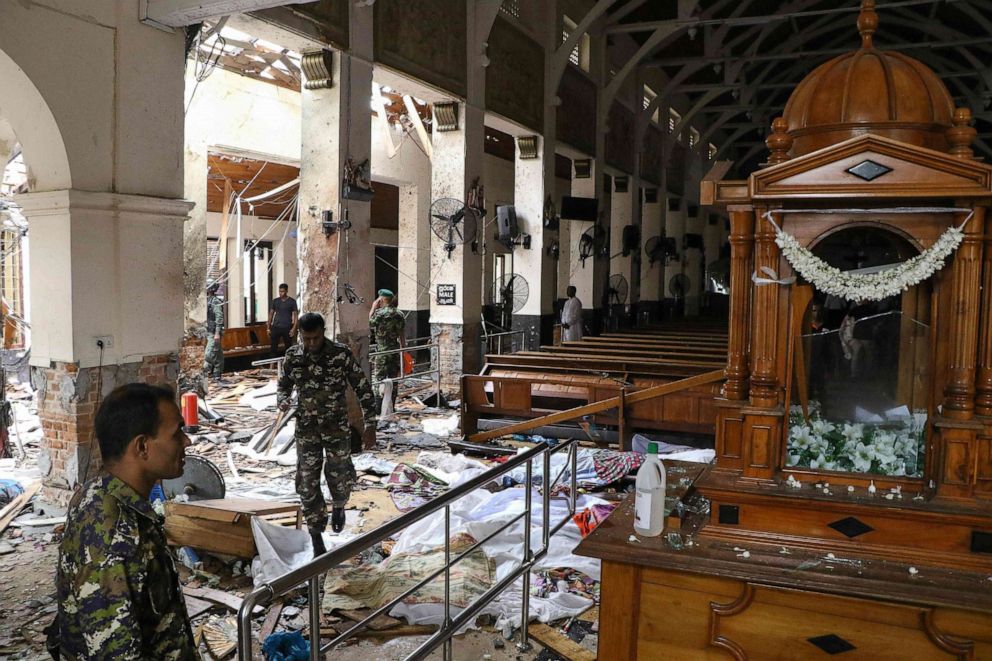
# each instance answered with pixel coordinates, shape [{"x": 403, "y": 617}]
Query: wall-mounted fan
[
  {"x": 616, "y": 290},
  {"x": 509, "y": 294},
  {"x": 453, "y": 222},
  {"x": 655, "y": 250},
  {"x": 678, "y": 285},
  {"x": 592, "y": 242}
]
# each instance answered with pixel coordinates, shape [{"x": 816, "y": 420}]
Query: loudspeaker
[
  {"x": 506, "y": 223},
  {"x": 631, "y": 239}
]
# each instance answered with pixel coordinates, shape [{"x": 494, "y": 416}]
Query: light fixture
[
  {"x": 527, "y": 144},
  {"x": 318, "y": 68},
  {"x": 446, "y": 116}
]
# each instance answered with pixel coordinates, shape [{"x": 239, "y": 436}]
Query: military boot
[
  {"x": 337, "y": 519},
  {"x": 318, "y": 542}
]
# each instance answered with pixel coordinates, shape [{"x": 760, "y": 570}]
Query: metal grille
[{"x": 510, "y": 8}]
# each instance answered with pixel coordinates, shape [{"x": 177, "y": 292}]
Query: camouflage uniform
[
  {"x": 387, "y": 325},
  {"x": 323, "y": 438},
  {"x": 213, "y": 358},
  {"x": 118, "y": 589}
]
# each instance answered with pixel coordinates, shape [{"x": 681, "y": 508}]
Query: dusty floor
[{"x": 28, "y": 554}]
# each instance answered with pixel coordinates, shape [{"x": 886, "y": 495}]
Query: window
[
  {"x": 580, "y": 52},
  {"x": 649, "y": 96},
  {"x": 693, "y": 137},
  {"x": 257, "y": 281},
  {"x": 674, "y": 119},
  {"x": 711, "y": 154},
  {"x": 11, "y": 275},
  {"x": 510, "y": 8}
]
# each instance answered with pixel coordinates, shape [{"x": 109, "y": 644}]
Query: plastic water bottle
[{"x": 649, "y": 501}]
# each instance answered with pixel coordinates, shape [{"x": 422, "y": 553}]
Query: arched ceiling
[{"x": 738, "y": 62}]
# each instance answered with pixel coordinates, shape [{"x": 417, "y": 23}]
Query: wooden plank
[
  {"x": 196, "y": 607},
  {"x": 14, "y": 507},
  {"x": 560, "y": 643},
  {"x": 271, "y": 620},
  {"x": 404, "y": 630},
  {"x": 605, "y": 405},
  {"x": 226, "y": 599},
  {"x": 378, "y": 623}
]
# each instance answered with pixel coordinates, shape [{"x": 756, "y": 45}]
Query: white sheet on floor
[
  {"x": 282, "y": 549},
  {"x": 441, "y": 426},
  {"x": 260, "y": 398},
  {"x": 452, "y": 469},
  {"x": 585, "y": 468}
]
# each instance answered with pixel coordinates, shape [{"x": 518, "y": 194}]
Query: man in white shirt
[{"x": 571, "y": 317}]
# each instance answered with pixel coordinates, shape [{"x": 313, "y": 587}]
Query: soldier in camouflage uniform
[
  {"x": 388, "y": 328},
  {"x": 118, "y": 589},
  {"x": 321, "y": 371},
  {"x": 213, "y": 358}
]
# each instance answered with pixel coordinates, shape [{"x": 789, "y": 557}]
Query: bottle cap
[{"x": 652, "y": 448}]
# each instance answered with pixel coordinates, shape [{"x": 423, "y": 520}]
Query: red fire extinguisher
[{"x": 190, "y": 411}]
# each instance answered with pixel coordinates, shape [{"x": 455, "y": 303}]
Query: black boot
[
  {"x": 318, "y": 543},
  {"x": 337, "y": 519}
]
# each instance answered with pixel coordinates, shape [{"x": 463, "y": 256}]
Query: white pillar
[
  {"x": 674, "y": 229},
  {"x": 620, "y": 264},
  {"x": 532, "y": 183},
  {"x": 693, "y": 265},
  {"x": 651, "y": 273}
]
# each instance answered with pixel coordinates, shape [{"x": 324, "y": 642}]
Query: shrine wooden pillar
[
  {"x": 983, "y": 385},
  {"x": 966, "y": 303},
  {"x": 741, "y": 248},
  {"x": 764, "y": 330}
]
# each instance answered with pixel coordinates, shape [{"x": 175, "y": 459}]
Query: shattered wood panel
[
  {"x": 577, "y": 112},
  {"x": 515, "y": 76},
  {"x": 620, "y": 139},
  {"x": 426, "y": 39}
]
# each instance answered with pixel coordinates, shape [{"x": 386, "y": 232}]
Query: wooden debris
[
  {"x": 270, "y": 622},
  {"x": 226, "y": 599},
  {"x": 403, "y": 630},
  {"x": 14, "y": 507},
  {"x": 196, "y": 607},
  {"x": 559, "y": 643},
  {"x": 379, "y": 623},
  {"x": 221, "y": 635}
]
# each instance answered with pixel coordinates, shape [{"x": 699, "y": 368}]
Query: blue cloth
[
  {"x": 9, "y": 490},
  {"x": 157, "y": 493},
  {"x": 286, "y": 646}
]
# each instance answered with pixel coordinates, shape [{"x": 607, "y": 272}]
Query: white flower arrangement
[
  {"x": 868, "y": 286},
  {"x": 895, "y": 448}
]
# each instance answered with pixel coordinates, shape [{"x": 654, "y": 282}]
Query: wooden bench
[{"x": 246, "y": 341}]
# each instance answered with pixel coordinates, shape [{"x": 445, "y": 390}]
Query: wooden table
[{"x": 698, "y": 597}]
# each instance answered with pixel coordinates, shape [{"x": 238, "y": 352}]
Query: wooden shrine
[{"x": 849, "y": 510}]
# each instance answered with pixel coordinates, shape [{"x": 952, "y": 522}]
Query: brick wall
[
  {"x": 68, "y": 397},
  {"x": 459, "y": 353}
]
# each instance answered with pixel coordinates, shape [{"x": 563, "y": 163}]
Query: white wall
[{"x": 498, "y": 180}]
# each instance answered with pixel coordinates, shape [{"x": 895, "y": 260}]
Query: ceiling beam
[
  {"x": 685, "y": 23},
  {"x": 168, "y": 14}
]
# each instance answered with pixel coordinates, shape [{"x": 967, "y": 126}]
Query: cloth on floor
[
  {"x": 286, "y": 646},
  {"x": 282, "y": 549},
  {"x": 452, "y": 469},
  {"x": 410, "y": 487},
  {"x": 369, "y": 463},
  {"x": 612, "y": 465},
  {"x": 588, "y": 519},
  {"x": 639, "y": 444},
  {"x": 564, "y": 579},
  {"x": 441, "y": 426},
  {"x": 260, "y": 398},
  {"x": 376, "y": 585}
]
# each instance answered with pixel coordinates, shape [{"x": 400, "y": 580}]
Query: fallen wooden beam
[
  {"x": 271, "y": 620},
  {"x": 560, "y": 643},
  {"x": 604, "y": 405},
  {"x": 14, "y": 507},
  {"x": 195, "y": 607},
  {"x": 225, "y": 599},
  {"x": 378, "y": 623}
]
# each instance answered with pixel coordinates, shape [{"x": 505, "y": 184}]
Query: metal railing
[
  {"x": 435, "y": 363},
  {"x": 499, "y": 341},
  {"x": 312, "y": 572},
  {"x": 269, "y": 361}
]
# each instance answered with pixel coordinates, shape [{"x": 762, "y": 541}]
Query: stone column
[
  {"x": 621, "y": 216},
  {"x": 457, "y": 163},
  {"x": 741, "y": 245},
  {"x": 674, "y": 219},
  {"x": 651, "y": 273},
  {"x": 414, "y": 257},
  {"x": 693, "y": 263},
  {"x": 117, "y": 281},
  {"x": 959, "y": 393},
  {"x": 337, "y": 127},
  {"x": 764, "y": 358},
  {"x": 533, "y": 179}
]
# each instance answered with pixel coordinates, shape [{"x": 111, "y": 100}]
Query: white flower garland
[{"x": 868, "y": 286}]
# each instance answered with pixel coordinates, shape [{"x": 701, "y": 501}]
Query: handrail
[
  {"x": 311, "y": 572},
  {"x": 487, "y": 337},
  {"x": 435, "y": 366}
]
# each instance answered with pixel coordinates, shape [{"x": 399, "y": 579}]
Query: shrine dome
[{"x": 869, "y": 91}]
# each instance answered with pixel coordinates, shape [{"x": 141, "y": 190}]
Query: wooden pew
[
  {"x": 529, "y": 384},
  {"x": 246, "y": 341}
]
